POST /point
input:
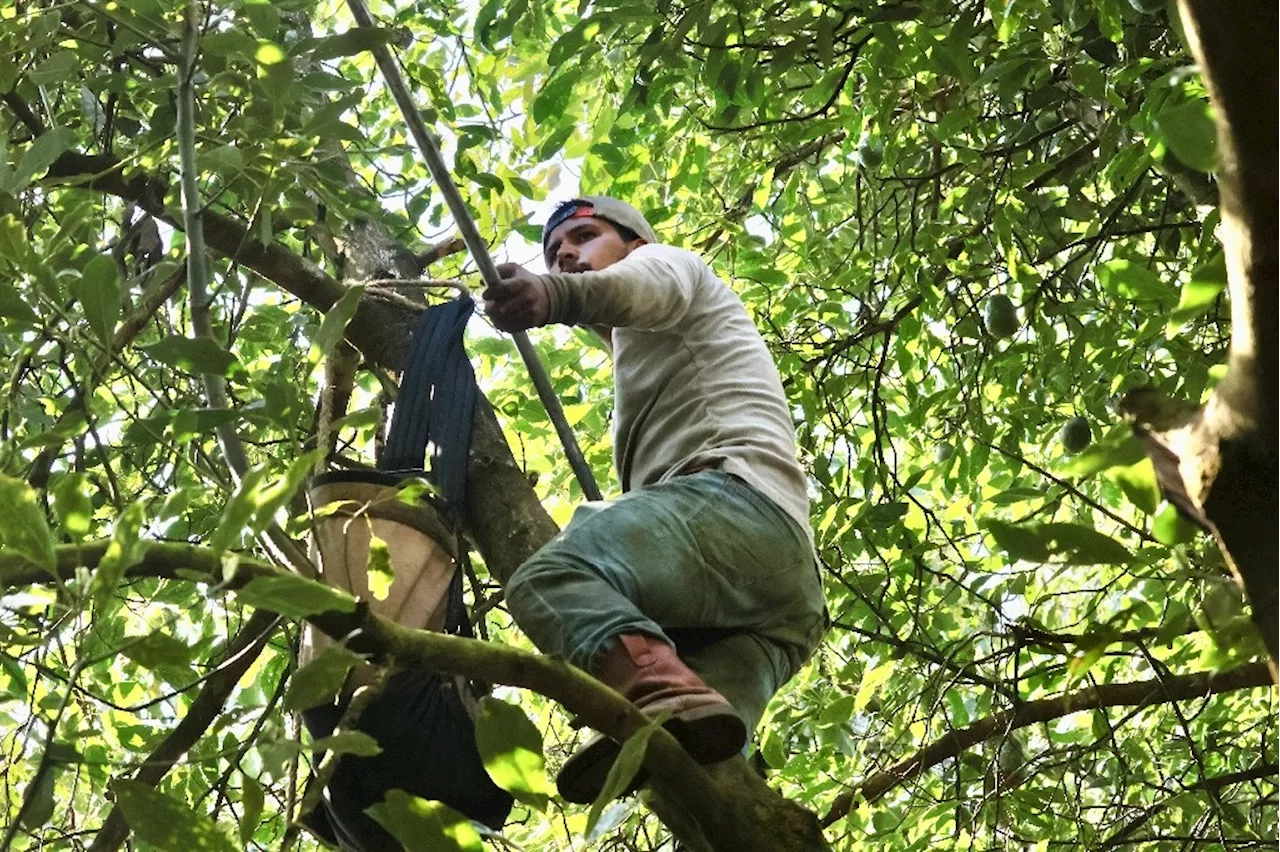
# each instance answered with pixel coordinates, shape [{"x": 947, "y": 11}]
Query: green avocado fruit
[
  {"x": 943, "y": 451},
  {"x": 1075, "y": 434},
  {"x": 870, "y": 151},
  {"x": 1000, "y": 316}
]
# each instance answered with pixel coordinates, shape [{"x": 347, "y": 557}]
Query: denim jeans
[{"x": 704, "y": 561}]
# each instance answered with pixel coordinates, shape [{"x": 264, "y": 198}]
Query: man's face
[{"x": 580, "y": 245}]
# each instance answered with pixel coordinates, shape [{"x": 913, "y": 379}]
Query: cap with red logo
[{"x": 599, "y": 207}]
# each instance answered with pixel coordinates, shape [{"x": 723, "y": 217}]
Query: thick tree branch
[
  {"x": 1226, "y": 454},
  {"x": 717, "y": 809},
  {"x": 381, "y": 329},
  {"x": 1137, "y": 694}
]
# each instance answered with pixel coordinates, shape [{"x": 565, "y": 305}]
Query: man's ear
[{"x": 636, "y": 243}]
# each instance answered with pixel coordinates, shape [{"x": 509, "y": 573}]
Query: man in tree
[{"x": 695, "y": 593}]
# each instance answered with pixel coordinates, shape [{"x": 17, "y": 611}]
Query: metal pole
[{"x": 475, "y": 245}]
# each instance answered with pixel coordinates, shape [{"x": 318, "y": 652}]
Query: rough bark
[{"x": 1226, "y": 453}]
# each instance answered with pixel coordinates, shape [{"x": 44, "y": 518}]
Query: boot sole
[{"x": 709, "y": 735}]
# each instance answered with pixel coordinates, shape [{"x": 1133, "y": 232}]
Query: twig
[
  {"x": 285, "y": 549},
  {"x": 414, "y": 283}
]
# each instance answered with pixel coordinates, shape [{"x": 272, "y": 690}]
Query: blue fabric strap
[
  {"x": 436, "y": 404},
  {"x": 434, "y": 414}
]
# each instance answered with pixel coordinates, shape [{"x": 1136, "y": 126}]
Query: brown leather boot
[{"x": 648, "y": 673}]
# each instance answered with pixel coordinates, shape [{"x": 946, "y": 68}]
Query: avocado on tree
[
  {"x": 870, "y": 151},
  {"x": 1075, "y": 434},
  {"x": 1000, "y": 316}
]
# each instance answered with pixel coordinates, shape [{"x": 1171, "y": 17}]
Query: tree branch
[
  {"x": 381, "y": 328},
  {"x": 1144, "y": 693},
  {"x": 242, "y": 652},
  {"x": 717, "y": 809},
  {"x": 1226, "y": 454}
]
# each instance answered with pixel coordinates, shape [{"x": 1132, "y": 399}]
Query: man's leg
[
  {"x": 702, "y": 550},
  {"x": 744, "y": 668}
]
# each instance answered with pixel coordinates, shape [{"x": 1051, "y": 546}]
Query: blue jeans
[{"x": 704, "y": 561}]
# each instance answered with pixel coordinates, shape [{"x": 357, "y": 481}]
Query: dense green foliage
[{"x": 868, "y": 176}]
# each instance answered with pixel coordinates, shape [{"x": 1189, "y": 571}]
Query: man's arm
[{"x": 650, "y": 289}]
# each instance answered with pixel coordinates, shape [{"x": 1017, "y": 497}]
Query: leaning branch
[
  {"x": 375, "y": 327},
  {"x": 388, "y": 643},
  {"x": 242, "y": 652},
  {"x": 1144, "y": 693}
]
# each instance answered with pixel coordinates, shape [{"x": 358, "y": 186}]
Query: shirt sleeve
[{"x": 650, "y": 289}]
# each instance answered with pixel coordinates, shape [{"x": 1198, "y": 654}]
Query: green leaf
[
  {"x": 16, "y": 684},
  {"x": 1130, "y": 280},
  {"x": 349, "y": 43},
  {"x": 58, "y": 67},
  {"x": 253, "y": 506},
  {"x": 484, "y": 21},
  {"x": 320, "y": 680},
  {"x": 872, "y": 680},
  {"x": 1089, "y": 650},
  {"x": 1169, "y": 527},
  {"x": 12, "y": 305},
  {"x": 381, "y": 574},
  {"x": 36, "y": 160},
  {"x": 1018, "y": 542},
  {"x": 71, "y": 504},
  {"x": 167, "y": 823},
  {"x": 1083, "y": 545},
  {"x": 24, "y": 530},
  {"x": 200, "y": 356},
  {"x": 630, "y": 758},
  {"x": 511, "y": 747},
  {"x": 1188, "y": 131},
  {"x": 1198, "y": 294},
  {"x": 252, "y": 800},
  {"x": 158, "y": 649},
  {"x": 349, "y": 742},
  {"x": 566, "y": 45},
  {"x": 296, "y": 597},
  {"x": 552, "y": 101},
  {"x": 1121, "y": 448},
  {"x": 98, "y": 292},
  {"x": 125, "y": 550},
  {"x": 423, "y": 826},
  {"x": 13, "y": 240},
  {"x": 1138, "y": 482},
  {"x": 884, "y": 514},
  {"x": 1075, "y": 544},
  {"x": 230, "y": 43},
  {"x": 334, "y": 325}
]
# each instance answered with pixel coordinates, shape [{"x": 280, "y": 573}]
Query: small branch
[
  {"x": 1146, "y": 693},
  {"x": 385, "y": 642},
  {"x": 880, "y": 326},
  {"x": 128, "y": 330},
  {"x": 24, "y": 113},
  {"x": 285, "y": 549},
  {"x": 1210, "y": 784},
  {"x": 1071, "y": 489},
  {"x": 242, "y": 652},
  {"x": 383, "y": 325}
]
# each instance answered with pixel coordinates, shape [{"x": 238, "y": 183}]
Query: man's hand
[{"x": 519, "y": 301}]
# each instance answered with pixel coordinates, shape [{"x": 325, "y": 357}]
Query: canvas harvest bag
[{"x": 423, "y": 721}]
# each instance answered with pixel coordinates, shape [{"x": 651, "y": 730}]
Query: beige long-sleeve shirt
[{"x": 693, "y": 380}]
